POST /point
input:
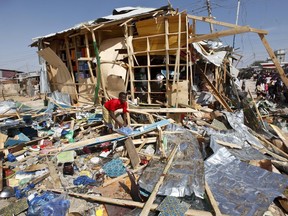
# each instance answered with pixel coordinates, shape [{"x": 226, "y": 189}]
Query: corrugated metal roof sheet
[{"x": 118, "y": 14}]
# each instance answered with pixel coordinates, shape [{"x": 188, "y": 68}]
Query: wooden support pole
[
  {"x": 148, "y": 205},
  {"x": 167, "y": 62},
  {"x": 256, "y": 108},
  {"x": 88, "y": 56},
  {"x": 236, "y": 30},
  {"x": 217, "y": 94},
  {"x": 230, "y": 25},
  {"x": 1, "y": 175},
  {"x": 274, "y": 59},
  {"x": 68, "y": 56},
  {"x": 133, "y": 155}
]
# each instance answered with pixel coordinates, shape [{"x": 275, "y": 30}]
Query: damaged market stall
[
  {"x": 154, "y": 54},
  {"x": 71, "y": 165}
]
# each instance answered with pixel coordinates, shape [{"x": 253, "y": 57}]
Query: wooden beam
[
  {"x": 1, "y": 175},
  {"x": 148, "y": 205},
  {"x": 217, "y": 94},
  {"x": 230, "y": 25},
  {"x": 111, "y": 181},
  {"x": 256, "y": 108},
  {"x": 212, "y": 200},
  {"x": 281, "y": 135},
  {"x": 133, "y": 155},
  {"x": 164, "y": 110},
  {"x": 274, "y": 59},
  {"x": 234, "y": 31},
  {"x": 122, "y": 202},
  {"x": 88, "y": 56},
  {"x": 228, "y": 144}
]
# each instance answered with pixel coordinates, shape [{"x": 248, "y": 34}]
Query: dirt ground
[{"x": 26, "y": 100}]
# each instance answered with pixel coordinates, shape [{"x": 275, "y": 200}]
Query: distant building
[{"x": 8, "y": 76}]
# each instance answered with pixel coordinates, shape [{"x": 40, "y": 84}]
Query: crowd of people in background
[{"x": 270, "y": 86}]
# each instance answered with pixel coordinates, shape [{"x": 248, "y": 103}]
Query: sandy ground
[{"x": 26, "y": 100}]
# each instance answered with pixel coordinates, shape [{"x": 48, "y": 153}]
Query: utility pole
[
  {"x": 209, "y": 14},
  {"x": 237, "y": 16}
]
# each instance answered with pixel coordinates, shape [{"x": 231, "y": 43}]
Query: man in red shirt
[{"x": 109, "y": 109}]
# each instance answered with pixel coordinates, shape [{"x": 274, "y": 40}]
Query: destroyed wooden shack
[
  {"x": 208, "y": 163},
  {"x": 154, "y": 54}
]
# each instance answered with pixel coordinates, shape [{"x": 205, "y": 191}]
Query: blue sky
[{"x": 22, "y": 20}]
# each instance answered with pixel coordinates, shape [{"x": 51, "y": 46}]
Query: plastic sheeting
[
  {"x": 186, "y": 174},
  {"x": 7, "y": 107},
  {"x": 61, "y": 98},
  {"x": 44, "y": 84},
  {"x": 240, "y": 188}
]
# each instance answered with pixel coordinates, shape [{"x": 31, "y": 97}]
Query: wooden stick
[
  {"x": 256, "y": 108},
  {"x": 1, "y": 175},
  {"x": 121, "y": 202},
  {"x": 212, "y": 200},
  {"x": 142, "y": 144},
  {"x": 266, "y": 143},
  {"x": 231, "y": 145},
  {"x": 281, "y": 135},
  {"x": 148, "y": 205},
  {"x": 111, "y": 181}
]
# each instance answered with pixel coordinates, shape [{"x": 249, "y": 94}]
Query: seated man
[{"x": 109, "y": 109}]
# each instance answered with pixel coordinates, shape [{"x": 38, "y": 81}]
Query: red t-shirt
[{"x": 115, "y": 104}]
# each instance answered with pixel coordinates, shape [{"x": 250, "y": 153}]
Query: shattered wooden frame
[{"x": 169, "y": 36}]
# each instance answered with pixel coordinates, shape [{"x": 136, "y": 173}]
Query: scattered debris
[{"x": 194, "y": 145}]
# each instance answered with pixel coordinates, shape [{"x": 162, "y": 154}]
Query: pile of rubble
[{"x": 59, "y": 160}]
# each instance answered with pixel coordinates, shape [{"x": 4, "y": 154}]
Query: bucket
[{"x": 45, "y": 102}]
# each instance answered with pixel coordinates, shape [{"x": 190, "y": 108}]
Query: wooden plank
[
  {"x": 3, "y": 138},
  {"x": 228, "y": 144},
  {"x": 165, "y": 110},
  {"x": 1, "y": 175},
  {"x": 281, "y": 135},
  {"x": 256, "y": 108},
  {"x": 88, "y": 56},
  {"x": 280, "y": 155},
  {"x": 148, "y": 205},
  {"x": 167, "y": 54},
  {"x": 132, "y": 153},
  {"x": 56, "y": 182},
  {"x": 111, "y": 181},
  {"x": 130, "y": 50},
  {"x": 122, "y": 202},
  {"x": 157, "y": 45},
  {"x": 143, "y": 143},
  {"x": 116, "y": 136},
  {"x": 217, "y": 94},
  {"x": 157, "y": 25},
  {"x": 179, "y": 93},
  {"x": 148, "y": 71},
  {"x": 234, "y": 31},
  {"x": 212, "y": 200},
  {"x": 211, "y": 20},
  {"x": 274, "y": 59},
  {"x": 68, "y": 56}
]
